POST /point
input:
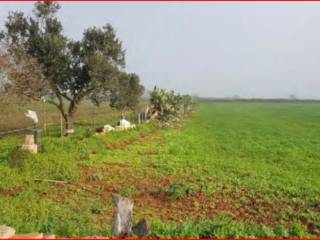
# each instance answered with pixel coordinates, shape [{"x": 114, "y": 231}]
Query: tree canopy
[{"x": 126, "y": 96}]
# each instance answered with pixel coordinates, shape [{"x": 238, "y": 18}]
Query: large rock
[{"x": 6, "y": 232}]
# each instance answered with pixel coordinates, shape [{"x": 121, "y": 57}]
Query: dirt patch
[
  {"x": 10, "y": 193},
  {"x": 238, "y": 204},
  {"x": 140, "y": 140},
  {"x": 120, "y": 145}
]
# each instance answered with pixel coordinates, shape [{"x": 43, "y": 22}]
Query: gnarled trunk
[
  {"x": 69, "y": 123},
  {"x": 68, "y": 115}
]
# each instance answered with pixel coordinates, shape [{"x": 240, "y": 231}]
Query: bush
[
  {"x": 175, "y": 191},
  {"x": 180, "y": 190},
  {"x": 170, "y": 105}
]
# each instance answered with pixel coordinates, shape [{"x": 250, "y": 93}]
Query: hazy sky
[{"x": 210, "y": 49}]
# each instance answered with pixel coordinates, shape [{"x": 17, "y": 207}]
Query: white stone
[
  {"x": 49, "y": 236},
  {"x": 68, "y": 131},
  {"x": 29, "y": 139},
  {"x": 108, "y": 128},
  {"x": 30, "y": 147},
  {"x": 124, "y": 123},
  {"x": 6, "y": 232}
]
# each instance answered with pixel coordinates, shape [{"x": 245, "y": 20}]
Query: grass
[{"x": 233, "y": 169}]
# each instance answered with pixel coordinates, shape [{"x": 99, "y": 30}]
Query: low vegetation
[
  {"x": 233, "y": 169},
  {"x": 168, "y": 105}
]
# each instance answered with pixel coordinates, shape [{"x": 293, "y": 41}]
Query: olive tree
[
  {"x": 126, "y": 96},
  {"x": 71, "y": 71}
]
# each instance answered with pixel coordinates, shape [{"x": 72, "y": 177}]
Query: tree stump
[{"x": 122, "y": 226}]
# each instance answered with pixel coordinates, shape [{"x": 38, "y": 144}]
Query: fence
[
  {"x": 54, "y": 129},
  {"x": 12, "y": 114}
]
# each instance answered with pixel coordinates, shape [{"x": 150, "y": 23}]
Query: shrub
[
  {"x": 174, "y": 191},
  {"x": 169, "y": 105},
  {"x": 180, "y": 190}
]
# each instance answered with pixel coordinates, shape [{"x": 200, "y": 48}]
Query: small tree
[
  {"x": 70, "y": 70},
  {"x": 126, "y": 96}
]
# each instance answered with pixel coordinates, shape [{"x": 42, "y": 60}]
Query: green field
[{"x": 233, "y": 169}]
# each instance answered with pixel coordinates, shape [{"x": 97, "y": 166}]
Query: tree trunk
[
  {"x": 68, "y": 116},
  {"x": 69, "y": 121}
]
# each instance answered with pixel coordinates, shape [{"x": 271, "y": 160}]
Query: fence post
[
  {"x": 44, "y": 118},
  {"x": 61, "y": 127},
  {"x": 37, "y": 138}
]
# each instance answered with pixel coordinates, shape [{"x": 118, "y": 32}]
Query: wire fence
[
  {"x": 12, "y": 114},
  {"x": 56, "y": 129}
]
